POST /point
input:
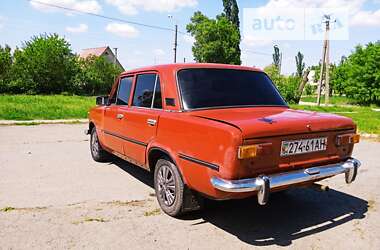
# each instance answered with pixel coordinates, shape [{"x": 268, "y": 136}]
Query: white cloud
[
  {"x": 252, "y": 42},
  {"x": 366, "y": 18},
  {"x": 353, "y": 5},
  {"x": 358, "y": 16},
  {"x": 131, "y": 7},
  {"x": 122, "y": 29},
  {"x": 91, "y": 6},
  {"x": 159, "y": 52},
  {"x": 78, "y": 29},
  {"x": 188, "y": 38}
]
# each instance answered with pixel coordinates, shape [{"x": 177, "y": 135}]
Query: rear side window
[
  {"x": 124, "y": 90},
  {"x": 147, "y": 88}
]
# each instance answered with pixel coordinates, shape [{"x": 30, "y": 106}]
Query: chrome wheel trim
[
  {"x": 94, "y": 144},
  {"x": 166, "y": 185}
]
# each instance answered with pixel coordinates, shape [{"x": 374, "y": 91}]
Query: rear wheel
[
  {"x": 97, "y": 151},
  {"x": 169, "y": 187},
  {"x": 172, "y": 194}
]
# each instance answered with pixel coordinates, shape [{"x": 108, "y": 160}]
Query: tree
[
  {"x": 45, "y": 65},
  {"x": 231, "y": 10},
  {"x": 287, "y": 85},
  {"x": 300, "y": 64},
  {"x": 216, "y": 40},
  {"x": 358, "y": 76},
  {"x": 5, "y": 67},
  {"x": 277, "y": 57},
  {"x": 96, "y": 76}
]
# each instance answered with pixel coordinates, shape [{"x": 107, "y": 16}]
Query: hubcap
[
  {"x": 166, "y": 185},
  {"x": 94, "y": 144}
]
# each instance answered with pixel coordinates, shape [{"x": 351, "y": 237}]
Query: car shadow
[
  {"x": 288, "y": 216},
  {"x": 140, "y": 174}
]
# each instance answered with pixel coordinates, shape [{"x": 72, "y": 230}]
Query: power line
[
  {"x": 106, "y": 17},
  {"x": 256, "y": 52}
]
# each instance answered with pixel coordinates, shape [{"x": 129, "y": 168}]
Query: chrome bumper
[{"x": 263, "y": 184}]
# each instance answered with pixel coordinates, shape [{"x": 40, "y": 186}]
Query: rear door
[
  {"x": 141, "y": 119},
  {"x": 114, "y": 117}
]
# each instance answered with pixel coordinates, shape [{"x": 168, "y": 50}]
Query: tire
[
  {"x": 169, "y": 187},
  {"x": 96, "y": 149}
]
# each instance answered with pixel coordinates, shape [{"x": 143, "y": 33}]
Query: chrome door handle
[
  {"x": 119, "y": 116},
  {"x": 151, "y": 122}
]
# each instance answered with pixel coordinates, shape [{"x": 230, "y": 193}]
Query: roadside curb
[
  {"x": 369, "y": 136},
  {"x": 38, "y": 122}
]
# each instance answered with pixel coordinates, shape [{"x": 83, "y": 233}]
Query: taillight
[
  {"x": 347, "y": 139},
  {"x": 252, "y": 151}
]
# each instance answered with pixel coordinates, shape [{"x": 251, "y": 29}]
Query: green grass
[
  {"x": 336, "y": 100},
  {"x": 49, "y": 107},
  {"x": 368, "y": 121},
  {"x": 28, "y": 107}
]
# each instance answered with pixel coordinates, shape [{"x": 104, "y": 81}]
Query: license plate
[{"x": 303, "y": 146}]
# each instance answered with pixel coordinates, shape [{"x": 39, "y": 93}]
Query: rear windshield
[{"x": 212, "y": 88}]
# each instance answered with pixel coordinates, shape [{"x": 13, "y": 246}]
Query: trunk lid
[{"x": 275, "y": 121}]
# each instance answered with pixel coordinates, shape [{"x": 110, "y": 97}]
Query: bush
[
  {"x": 359, "y": 75},
  {"x": 310, "y": 89},
  {"x": 46, "y": 65},
  {"x": 96, "y": 76},
  {"x": 287, "y": 85}
]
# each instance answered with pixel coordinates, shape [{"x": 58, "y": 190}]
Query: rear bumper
[{"x": 264, "y": 183}]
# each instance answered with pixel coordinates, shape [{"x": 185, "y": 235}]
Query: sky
[{"x": 141, "y": 46}]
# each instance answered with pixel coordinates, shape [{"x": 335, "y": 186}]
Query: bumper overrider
[{"x": 264, "y": 183}]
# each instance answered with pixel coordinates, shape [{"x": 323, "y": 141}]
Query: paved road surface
[{"x": 53, "y": 195}]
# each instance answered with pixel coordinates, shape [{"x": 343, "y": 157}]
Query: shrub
[
  {"x": 96, "y": 76},
  {"x": 359, "y": 75},
  {"x": 287, "y": 85},
  {"x": 45, "y": 65}
]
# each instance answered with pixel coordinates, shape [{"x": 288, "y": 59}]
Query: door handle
[
  {"x": 151, "y": 122},
  {"x": 119, "y": 116}
]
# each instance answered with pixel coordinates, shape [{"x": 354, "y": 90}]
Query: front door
[{"x": 114, "y": 116}]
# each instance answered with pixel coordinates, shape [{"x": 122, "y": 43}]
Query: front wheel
[{"x": 97, "y": 151}]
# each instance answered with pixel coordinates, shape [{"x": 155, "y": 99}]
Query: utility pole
[
  {"x": 175, "y": 37},
  {"x": 325, "y": 67},
  {"x": 175, "y": 43}
]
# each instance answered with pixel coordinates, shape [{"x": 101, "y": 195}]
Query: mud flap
[{"x": 192, "y": 201}]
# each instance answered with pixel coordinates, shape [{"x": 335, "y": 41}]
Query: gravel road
[{"x": 53, "y": 195}]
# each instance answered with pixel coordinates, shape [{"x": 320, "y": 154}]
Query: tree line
[{"x": 46, "y": 65}]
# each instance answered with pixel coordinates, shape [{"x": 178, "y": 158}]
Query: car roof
[{"x": 179, "y": 66}]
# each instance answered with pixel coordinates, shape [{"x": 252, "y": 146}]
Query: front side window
[
  {"x": 213, "y": 88},
  {"x": 147, "y": 89},
  {"x": 124, "y": 90}
]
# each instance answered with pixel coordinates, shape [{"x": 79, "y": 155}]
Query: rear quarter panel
[{"x": 209, "y": 141}]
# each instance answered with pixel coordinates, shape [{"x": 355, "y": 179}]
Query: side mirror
[{"x": 102, "y": 100}]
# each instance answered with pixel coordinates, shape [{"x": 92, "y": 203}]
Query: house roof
[{"x": 92, "y": 51}]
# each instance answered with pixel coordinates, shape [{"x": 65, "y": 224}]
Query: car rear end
[
  {"x": 279, "y": 162},
  {"x": 280, "y": 147}
]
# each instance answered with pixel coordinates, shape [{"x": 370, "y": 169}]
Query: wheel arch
[
  {"x": 91, "y": 125},
  {"x": 155, "y": 153}
]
